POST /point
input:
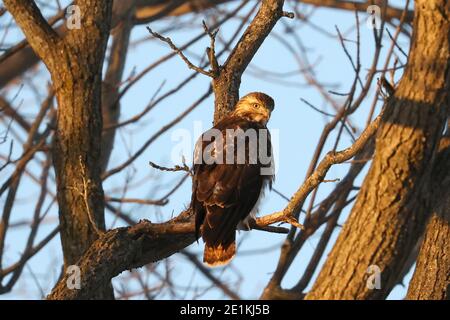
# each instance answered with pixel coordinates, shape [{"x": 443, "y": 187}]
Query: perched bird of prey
[{"x": 232, "y": 165}]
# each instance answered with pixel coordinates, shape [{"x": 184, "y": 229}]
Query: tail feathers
[{"x": 219, "y": 254}]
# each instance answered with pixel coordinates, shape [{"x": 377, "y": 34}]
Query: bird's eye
[{"x": 256, "y": 105}]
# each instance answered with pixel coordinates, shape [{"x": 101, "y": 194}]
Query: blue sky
[{"x": 299, "y": 129}]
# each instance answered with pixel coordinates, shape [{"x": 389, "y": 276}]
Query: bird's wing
[{"x": 224, "y": 194}]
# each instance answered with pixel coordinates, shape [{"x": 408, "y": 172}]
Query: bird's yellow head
[{"x": 255, "y": 106}]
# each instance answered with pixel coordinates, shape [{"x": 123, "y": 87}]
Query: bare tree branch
[
  {"x": 226, "y": 84},
  {"x": 39, "y": 33}
]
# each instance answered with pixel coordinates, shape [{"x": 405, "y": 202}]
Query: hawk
[{"x": 232, "y": 166}]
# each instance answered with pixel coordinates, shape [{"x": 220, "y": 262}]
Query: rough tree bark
[
  {"x": 391, "y": 209},
  {"x": 125, "y": 248},
  {"x": 75, "y": 64},
  {"x": 431, "y": 279}
]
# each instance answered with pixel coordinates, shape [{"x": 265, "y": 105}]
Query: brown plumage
[{"x": 224, "y": 194}]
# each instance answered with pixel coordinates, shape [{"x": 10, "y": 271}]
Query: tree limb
[
  {"x": 39, "y": 33},
  {"x": 226, "y": 84},
  {"x": 131, "y": 247},
  {"x": 431, "y": 279}
]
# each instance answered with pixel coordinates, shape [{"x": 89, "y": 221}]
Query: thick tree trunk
[
  {"x": 431, "y": 279},
  {"x": 75, "y": 64},
  {"x": 124, "y": 248},
  {"x": 391, "y": 209},
  {"x": 76, "y": 151}
]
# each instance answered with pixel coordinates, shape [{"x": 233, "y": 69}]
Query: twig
[
  {"x": 271, "y": 229},
  {"x": 146, "y": 70},
  {"x": 332, "y": 180},
  {"x": 139, "y": 201},
  {"x": 156, "y": 135},
  {"x": 388, "y": 56},
  {"x": 394, "y": 41},
  {"x": 319, "y": 174},
  {"x": 180, "y": 53},
  {"x": 85, "y": 195},
  {"x": 184, "y": 167},
  {"x": 29, "y": 254},
  {"x": 211, "y": 51},
  {"x": 8, "y": 158},
  {"x": 357, "y": 66},
  {"x": 208, "y": 274},
  {"x": 280, "y": 194},
  {"x": 277, "y": 217},
  {"x": 317, "y": 109},
  {"x": 36, "y": 281}
]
